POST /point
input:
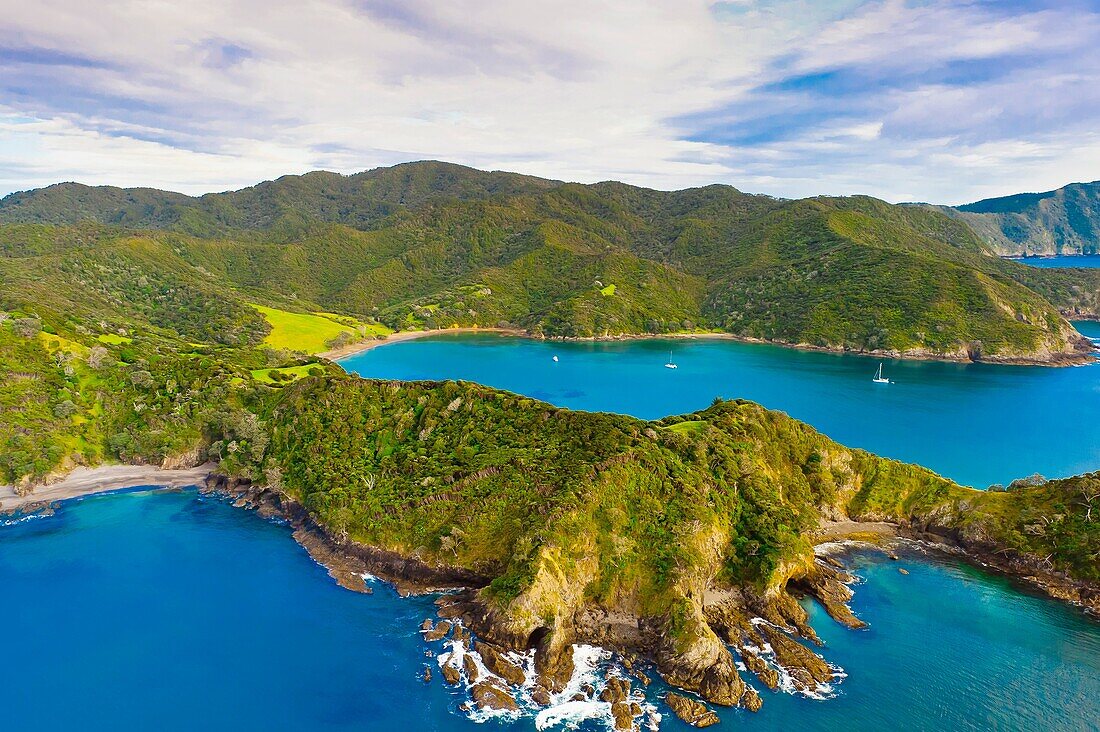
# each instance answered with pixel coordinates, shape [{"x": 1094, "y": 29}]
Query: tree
[
  {"x": 97, "y": 357},
  {"x": 26, "y": 327}
]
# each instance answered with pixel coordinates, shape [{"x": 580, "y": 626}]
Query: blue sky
[{"x": 946, "y": 101}]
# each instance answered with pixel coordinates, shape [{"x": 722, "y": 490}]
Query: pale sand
[
  {"x": 1078, "y": 358},
  {"x": 408, "y": 335},
  {"x": 88, "y": 481}
]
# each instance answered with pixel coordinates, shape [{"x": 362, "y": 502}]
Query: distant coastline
[{"x": 1083, "y": 356}]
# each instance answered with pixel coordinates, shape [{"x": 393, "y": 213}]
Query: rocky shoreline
[{"x": 764, "y": 633}]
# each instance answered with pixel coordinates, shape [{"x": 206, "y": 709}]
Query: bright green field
[
  {"x": 294, "y": 372},
  {"x": 310, "y": 333}
]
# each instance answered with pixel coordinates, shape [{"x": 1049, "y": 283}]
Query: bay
[
  {"x": 978, "y": 424},
  {"x": 1061, "y": 260}
]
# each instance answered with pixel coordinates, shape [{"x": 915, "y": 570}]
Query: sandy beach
[
  {"x": 409, "y": 335},
  {"x": 1082, "y": 357},
  {"x": 88, "y": 481}
]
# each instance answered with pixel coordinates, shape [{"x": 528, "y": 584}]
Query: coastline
[
  {"x": 352, "y": 349},
  {"x": 84, "y": 481},
  {"x": 1081, "y": 357}
]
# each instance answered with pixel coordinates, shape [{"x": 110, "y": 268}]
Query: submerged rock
[{"x": 690, "y": 711}]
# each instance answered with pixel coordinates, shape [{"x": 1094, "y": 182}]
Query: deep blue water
[
  {"x": 978, "y": 424},
  {"x": 1062, "y": 260},
  {"x": 172, "y": 611}
]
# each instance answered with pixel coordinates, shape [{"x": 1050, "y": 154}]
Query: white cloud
[{"x": 209, "y": 94}]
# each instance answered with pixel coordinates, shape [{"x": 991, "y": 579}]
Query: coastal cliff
[{"x": 684, "y": 541}]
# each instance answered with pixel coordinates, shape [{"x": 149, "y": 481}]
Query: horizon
[
  {"x": 943, "y": 101},
  {"x": 5, "y": 195}
]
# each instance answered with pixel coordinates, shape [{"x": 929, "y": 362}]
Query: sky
[{"x": 947, "y": 101}]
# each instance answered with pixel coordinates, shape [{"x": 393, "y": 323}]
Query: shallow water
[
  {"x": 1062, "y": 260},
  {"x": 174, "y": 611},
  {"x": 978, "y": 424}
]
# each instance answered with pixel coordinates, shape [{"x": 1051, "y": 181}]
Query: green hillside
[
  {"x": 1063, "y": 221},
  {"x": 432, "y": 245}
]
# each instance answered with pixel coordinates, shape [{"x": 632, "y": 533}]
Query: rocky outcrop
[
  {"x": 488, "y": 695},
  {"x": 690, "y": 711},
  {"x": 495, "y": 660},
  {"x": 439, "y": 632},
  {"x": 623, "y": 708}
]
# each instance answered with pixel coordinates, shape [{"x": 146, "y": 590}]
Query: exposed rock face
[
  {"x": 805, "y": 667},
  {"x": 473, "y": 673},
  {"x": 694, "y": 713},
  {"x": 554, "y": 665},
  {"x": 827, "y": 585},
  {"x": 623, "y": 708},
  {"x": 450, "y": 673},
  {"x": 495, "y": 661},
  {"x": 540, "y": 696},
  {"x": 439, "y": 632},
  {"x": 488, "y": 695}
]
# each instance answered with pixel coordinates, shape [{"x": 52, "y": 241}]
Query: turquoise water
[
  {"x": 173, "y": 611},
  {"x": 978, "y": 424},
  {"x": 1062, "y": 260}
]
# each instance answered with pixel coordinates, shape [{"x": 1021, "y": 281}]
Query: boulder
[
  {"x": 498, "y": 664},
  {"x": 490, "y": 696},
  {"x": 690, "y": 711},
  {"x": 439, "y": 632}
]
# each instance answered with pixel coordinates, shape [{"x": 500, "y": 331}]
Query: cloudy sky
[{"x": 938, "y": 100}]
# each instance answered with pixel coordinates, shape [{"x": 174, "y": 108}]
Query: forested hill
[
  {"x": 428, "y": 245},
  {"x": 1063, "y": 221}
]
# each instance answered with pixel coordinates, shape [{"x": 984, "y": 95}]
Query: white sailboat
[
  {"x": 555, "y": 358},
  {"x": 879, "y": 378},
  {"x": 670, "y": 365}
]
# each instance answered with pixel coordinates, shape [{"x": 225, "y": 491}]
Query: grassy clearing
[
  {"x": 688, "y": 427},
  {"x": 283, "y": 375},
  {"x": 608, "y": 291},
  {"x": 54, "y": 342},
  {"x": 114, "y": 340},
  {"x": 311, "y": 332}
]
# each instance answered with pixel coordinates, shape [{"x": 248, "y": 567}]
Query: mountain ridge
[{"x": 432, "y": 245}]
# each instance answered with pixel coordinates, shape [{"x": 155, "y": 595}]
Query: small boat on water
[
  {"x": 879, "y": 378},
  {"x": 555, "y": 358},
  {"x": 670, "y": 364}
]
